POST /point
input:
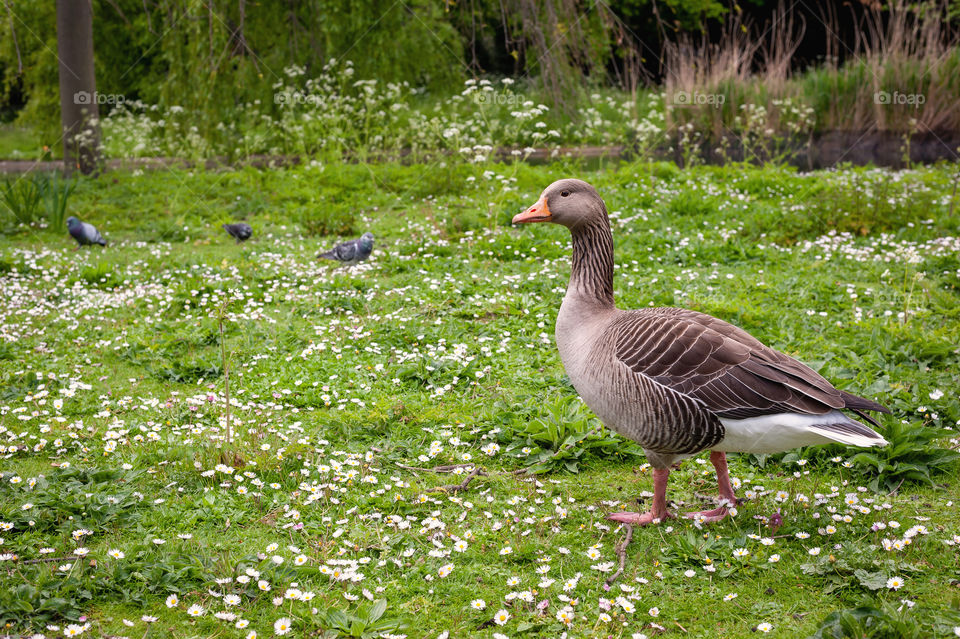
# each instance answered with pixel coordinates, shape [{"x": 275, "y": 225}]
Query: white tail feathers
[{"x": 783, "y": 431}]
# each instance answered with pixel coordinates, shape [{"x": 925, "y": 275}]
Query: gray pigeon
[
  {"x": 84, "y": 233},
  {"x": 351, "y": 252},
  {"x": 241, "y": 231}
]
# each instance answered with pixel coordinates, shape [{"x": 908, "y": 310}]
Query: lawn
[
  {"x": 134, "y": 502},
  {"x": 20, "y": 143}
]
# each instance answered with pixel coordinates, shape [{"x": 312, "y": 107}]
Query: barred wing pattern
[{"x": 730, "y": 372}]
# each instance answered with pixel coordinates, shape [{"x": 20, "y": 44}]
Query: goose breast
[{"x": 667, "y": 423}]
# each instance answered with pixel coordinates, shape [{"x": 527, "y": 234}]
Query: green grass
[
  {"x": 20, "y": 143},
  {"x": 111, "y": 405}
]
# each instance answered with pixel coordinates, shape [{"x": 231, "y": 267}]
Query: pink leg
[
  {"x": 658, "y": 511},
  {"x": 727, "y": 498}
]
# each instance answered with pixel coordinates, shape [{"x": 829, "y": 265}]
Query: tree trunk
[{"x": 78, "y": 87}]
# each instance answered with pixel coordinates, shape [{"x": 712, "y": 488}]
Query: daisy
[
  {"x": 281, "y": 626},
  {"x": 172, "y": 601},
  {"x": 764, "y": 627},
  {"x": 895, "y": 583},
  {"x": 196, "y": 610},
  {"x": 502, "y": 617},
  {"x": 478, "y": 604}
]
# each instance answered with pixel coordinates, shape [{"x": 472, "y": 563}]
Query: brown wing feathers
[{"x": 726, "y": 368}]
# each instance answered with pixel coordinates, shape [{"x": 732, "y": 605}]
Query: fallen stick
[
  {"x": 476, "y": 471},
  {"x": 455, "y": 488},
  {"x": 438, "y": 469},
  {"x": 621, "y": 554}
]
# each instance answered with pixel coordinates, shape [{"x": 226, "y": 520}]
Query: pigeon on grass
[
  {"x": 241, "y": 231},
  {"x": 352, "y": 251},
  {"x": 84, "y": 233}
]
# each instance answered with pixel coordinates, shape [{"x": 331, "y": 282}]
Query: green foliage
[
  {"x": 100, "y": 275},
  {"x": 887, "y": 620},
  {"x": 193, "y": 55},
  {"x": 72, "y": 498},
  {"x": 179, "y": 357},
  {"x": 328, "y": 221},
  {"x": 564, "y": 434},
  {"x": 33, "y": 197},
  {"x": 21, "y": 197},
  {"x": 366, "y": 622},
  {"x": 55, "y": 191},
  {"x": 52, "y": 595},
  {"x": 913, "y": 455},
  {"x": 691, "y": 548},
  {"x": 856, "y": 568},
  {"x": 44, "y": 598}
]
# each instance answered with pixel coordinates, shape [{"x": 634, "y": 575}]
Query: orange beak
[{"x": 539, "y": 212}]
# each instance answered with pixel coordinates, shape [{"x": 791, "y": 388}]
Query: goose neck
[{"x": 591, "y": 275}]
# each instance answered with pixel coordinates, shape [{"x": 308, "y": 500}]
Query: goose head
[{"x": 566, "y": 202}]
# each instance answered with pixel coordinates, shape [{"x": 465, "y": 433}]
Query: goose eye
[{"x": 564, "y": 193}]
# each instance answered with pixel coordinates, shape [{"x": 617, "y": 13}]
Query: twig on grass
[
  {"x": 455, "y": 488},
  {"x": 897, "y": 487},
  {"x": 438, "y": 469},
  {"x": 476, "y": 471},
  {"x": 621, "y": 554}
]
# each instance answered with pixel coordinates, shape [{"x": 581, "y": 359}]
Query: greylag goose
[
  {"x": 85, "y": 234},
  {"x": 676, "y": 381}
]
